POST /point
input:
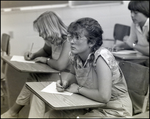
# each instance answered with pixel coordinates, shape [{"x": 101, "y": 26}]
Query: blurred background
[{"x": 17, "y": 18}]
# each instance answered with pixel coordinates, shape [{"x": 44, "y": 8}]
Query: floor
[
  {"x": 4, "y": 99},
  {"x": 4, "y": 104},
  {"x": 5, "y": 107}
]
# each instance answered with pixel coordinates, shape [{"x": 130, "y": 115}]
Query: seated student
[
  {"x": 139, "y": 28},
  {"x": 95, "y": 75},
  {"x": 54, "y": 53}
]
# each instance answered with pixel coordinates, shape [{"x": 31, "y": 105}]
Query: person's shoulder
[
  {"x": 101, "y": 51},
  {"x": 106, "y": 55}
]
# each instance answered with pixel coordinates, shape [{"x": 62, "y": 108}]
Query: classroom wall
[{"x": 19, "y": 24}]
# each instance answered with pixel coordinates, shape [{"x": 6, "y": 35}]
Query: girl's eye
[
  {"x": 77, "y": 37},
  {"x": 135, "y": 12}
]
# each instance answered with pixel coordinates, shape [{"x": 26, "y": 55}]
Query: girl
[
  {"x": 95, "y": 74},
  {"x": 54, "y": 53},
  {"x": 138, "y": 39}
]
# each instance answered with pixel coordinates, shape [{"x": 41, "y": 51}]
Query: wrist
[
  {"x": 79, "y": 87},
  {"x": 47, "y": 60},
  {"x": 133, "y": 45}
]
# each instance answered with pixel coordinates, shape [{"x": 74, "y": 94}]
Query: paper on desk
[
  {"x": 125, "y": 52},
  {"x": 51, "y": 88},
  {"x": 20, "y": 59}
]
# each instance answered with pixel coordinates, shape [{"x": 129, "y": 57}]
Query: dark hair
[
  {"x": 93, "y": 30},
  {"x": 140, "y": 6}
]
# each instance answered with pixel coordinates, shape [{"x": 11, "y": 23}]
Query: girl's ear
[{"x": 91, "y": 43}]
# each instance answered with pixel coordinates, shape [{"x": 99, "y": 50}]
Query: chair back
[
  {"x": 137, "y": 78},
  {"x": 5, "y": 49},
  {"x": 120, "y": 31},
  {"x": 5, "y": 44}
]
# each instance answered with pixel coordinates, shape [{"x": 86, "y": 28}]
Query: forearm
[
  {"x": 40, "y": 53},
  {"x": 144, "y": 50},
  {"x": 56, "y": 64},
  {"x": 121, "y": 46},
  {"x": 71, "y": 79},
  {"x": 125, "y": 46},
  {"x": 94, "y": 94}
]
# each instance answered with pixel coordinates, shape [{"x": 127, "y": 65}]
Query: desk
[
  {"x": 136, "y": 57},
  {"x": 16, "y": 76},
  {"x": 29, "y": 67},
  {"x": 61, "y": 102}
]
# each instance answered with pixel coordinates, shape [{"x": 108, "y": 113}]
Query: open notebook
[
  {"x": 20, "y": 59},
  {"x": 51, "y": 88}
]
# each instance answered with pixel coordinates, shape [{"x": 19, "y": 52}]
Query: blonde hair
[{"x": 50, "y": 24}]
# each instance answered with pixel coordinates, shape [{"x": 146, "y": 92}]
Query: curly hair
[
  {"x": 140, "y": 6},
  {"x": 93, "y": 31}
]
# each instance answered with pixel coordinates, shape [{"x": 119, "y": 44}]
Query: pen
[
  {"x": 31, "y": 47},
  {"x": 60, "y": 78}
]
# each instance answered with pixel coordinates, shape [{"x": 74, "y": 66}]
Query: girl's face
[
  {"x": 138, "y": 17},
  {"x": 48, "y": 39},
  {"x": 79, "y": 44}
]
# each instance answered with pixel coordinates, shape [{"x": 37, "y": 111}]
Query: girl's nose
[{"x": 132, "y": 14}]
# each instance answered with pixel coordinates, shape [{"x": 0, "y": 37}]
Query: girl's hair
[
  {"x": 50, "y": 25},
  {"x": 140, "y": 6},
  {"x": 93, "y": 30}
]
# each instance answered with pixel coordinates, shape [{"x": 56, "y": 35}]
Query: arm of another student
[
  {"x": 143, "y": 49},
  {"x": 103, "y": 93},
  {"x": 45, "y": 51},
  {"x": 126, "y": 45},
  {"x": 62, "y": 62}
]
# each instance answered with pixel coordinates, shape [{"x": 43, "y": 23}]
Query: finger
[
  {"x": 30, "y": 55},
  {"x": 36, "y": 60},
  {"x": 60, "y": 89},
  {"x": 65, "y": 84},
  {"x": 58, "y": 84},
  {"x": 68, "y": 89},
  {"x": 26, "y": 56}
]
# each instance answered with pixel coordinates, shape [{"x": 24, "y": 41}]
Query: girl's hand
[
  {"x": 40, "y": 59},
  {"x": 61, "y": 88},
  {"x": 129, "y": 44},
  {"x": 73, "y": 88},
  {"x": 125, "y": 38},
  {"x": 28, "y": 56},
  {"x": 116, "y": 48}
]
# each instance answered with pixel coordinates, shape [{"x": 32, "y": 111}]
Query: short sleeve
[{"x": 107, "y": 56}]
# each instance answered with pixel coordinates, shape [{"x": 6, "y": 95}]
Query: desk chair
[
  {"x": 137, "y": 78},
  {"x": 120, "y": 30},
  {"x": 5, "y": 51}
]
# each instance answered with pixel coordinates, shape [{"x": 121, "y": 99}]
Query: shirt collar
[
  {"x": 78, "y": 60},
  {"x": 145, "y": 25}
]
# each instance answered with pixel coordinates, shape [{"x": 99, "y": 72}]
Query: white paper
[
  {"x": 125, "y": 52},
  {"x": 20, "y": 59},
  {"x": 51, "y": 88}
]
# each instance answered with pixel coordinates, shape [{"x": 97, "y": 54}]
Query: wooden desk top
[
  {"x": 29, "y": 67},
  {"x": 135, "y": 56},
  {"x": 61, "y": 102}
]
